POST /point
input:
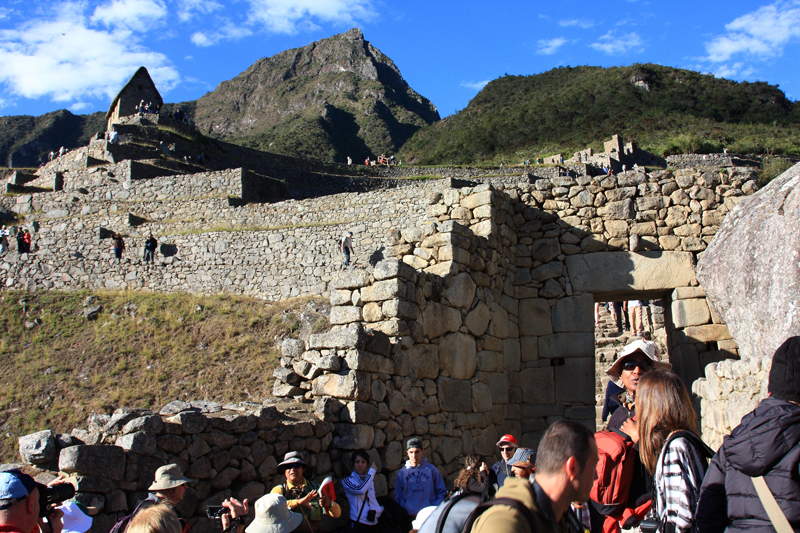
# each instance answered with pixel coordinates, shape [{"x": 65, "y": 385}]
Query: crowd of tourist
[{"x": 676, "y": 483}]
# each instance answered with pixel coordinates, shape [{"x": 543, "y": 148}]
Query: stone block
[
  {"x": 486, "y": 361},
  {"x": 438, "y": 319},
  {"x": 140, "y": 443},
  {"x": 38, "y": 448},
  {"x": 384, "y": 290},
  {"x": 575, "y": 381},
  {"x": 481, "y": 398},
  {"x": 537, "y": 385},
  {"x": 399, "y": 309},
  {"x": 457, "y": 356},
  {"x": 353, "y": 385},
  {"x": 345, "y": 314},
  {"x": 454, "y": 394},
  {"x": 511, "y": 355},
  {"x": 368, "y": 362},
  {"x": 461, "y": 291},
  {"x": 575, "y": 313},
  {"x": 392, "y": 268},
  {"x": 350, "y": 279},
  {"x": 708, "y": 333},
  {"x": 476, "y": 200},
  {"x": 684, "y": 293},
  {"x": 371, "y": 312},
  {"x": 498, "y": 327},
  {"x": 622, "y": 210},
  {"x": 353, "y": 436},
  {"x": 693, "y": 312},
  {"x": 566, "y": 345},
  {"x": 545, "y": 250},
  {"x": 499, "y": 385},
  {"x": 360, "y": 413},
  {"x": 101, "y": 461},
  {"x": 609, "y": 272},
  {"x": 535, "y": 317},
  {"x": 443, "y": 269},
  {"x": 424, "y": 360},
  {"x": 529, "y": 349},
  {"x": 477, "y": 320},
  {"x": 550, "y": 270},
  {"x": 485, "y": 229},
  {"x": 454, "y": 254}
]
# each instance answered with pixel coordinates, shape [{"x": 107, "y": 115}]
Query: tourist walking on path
[
  {"x": 150, "y": 248},
  {"x": 20, "y": 241},
  {"x": 119, "y": 246},
  {"x": 346, "y": 247},
  {"x": 28, "y": 240}
]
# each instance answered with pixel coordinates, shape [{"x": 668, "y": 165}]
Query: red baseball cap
[{"x": 508, "y": 439}]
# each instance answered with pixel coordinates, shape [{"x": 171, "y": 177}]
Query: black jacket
[{"x": 766, "y": 443}]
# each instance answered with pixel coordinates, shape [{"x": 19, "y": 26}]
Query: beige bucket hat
[
  {"x": 273, "y": 516},
  {"x": 169, "y": 477},
  {"x": 647, "y": 348}
]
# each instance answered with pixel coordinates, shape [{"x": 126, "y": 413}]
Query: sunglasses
[
  {"x": 642, "y": 365},
  {"x": 506, "y": 448}
]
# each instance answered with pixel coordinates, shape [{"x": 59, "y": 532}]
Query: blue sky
[{"x": 78, "y": 54}]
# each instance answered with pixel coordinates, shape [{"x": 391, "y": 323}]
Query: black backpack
[
  {"x": 122, "y": 523},
  {"x": 459, "y": 513}
]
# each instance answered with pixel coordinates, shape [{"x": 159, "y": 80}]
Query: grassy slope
[
  {"x": 57, "y": 373},
  {"x": 566, "y": 109}
]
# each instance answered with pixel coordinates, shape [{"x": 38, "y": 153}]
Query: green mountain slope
[
  {"x": 331, "y": 99},
  {"x": 663, "y": 109},
  {"x": 26, "y": 140}
]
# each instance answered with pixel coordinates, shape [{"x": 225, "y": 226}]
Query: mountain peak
[{"x": 340, "y": 93}]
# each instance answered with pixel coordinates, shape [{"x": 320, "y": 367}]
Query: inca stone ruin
[{"x": 468, "y": 313}]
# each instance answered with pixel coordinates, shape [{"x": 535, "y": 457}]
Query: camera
[
  {"x": 51, "y": 496},
  {"x": 216, "y": 511},
  {"x": 371, "y": 515}
]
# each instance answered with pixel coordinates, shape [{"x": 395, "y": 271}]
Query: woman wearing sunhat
[
  {"x": 636, "y": 359},
  {"x": 302, "y": 495}
]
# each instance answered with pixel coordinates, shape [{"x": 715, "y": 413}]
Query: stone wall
[
  {"x": 730, "y": 390},
  {"x": 231, "y": 451},
  {"x": 710, "y": 160}
]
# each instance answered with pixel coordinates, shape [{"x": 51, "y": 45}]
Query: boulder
[
  {"x": 38, "y": 448},
  {"x": 750, "y": 271},
  {"x": 457, "y": 355},
  {"x": 102, "y": 461}
]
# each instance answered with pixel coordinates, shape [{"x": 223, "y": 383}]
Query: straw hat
[
  {"x": 169, "y": 477},
  {"x": 647, "y": 348},
  {"x": 273, "y": 516}
]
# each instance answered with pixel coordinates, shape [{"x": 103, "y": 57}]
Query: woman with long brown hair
[
  {"x": 476, "y": 476},
  {"x": 671, "y": 449}
]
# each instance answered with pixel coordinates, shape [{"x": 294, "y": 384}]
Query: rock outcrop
[{"x": 751, "y": 270}]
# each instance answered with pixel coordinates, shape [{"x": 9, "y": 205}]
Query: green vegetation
[
  {"x": 773, "y": 167},
  {"x": 60, "y": 371},
  {"x": 26, "y": 140},
  {"x": 568, "y": 109}
]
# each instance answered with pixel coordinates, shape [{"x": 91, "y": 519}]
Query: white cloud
[
  {"x": 581, "y": 23},
  {"x": 475, "y": 85},
  {"x": 613, "y": 44},
  {"x": 189, "y": 9},
  {"x": 228, "y": 32},
  {"x": 77, "y": 107},
  {"x": 189, "y": 58},
  {"x": 66, "y": 60},
  {"x": 763, "y": 33},
  {"x": 4, "y": 13},
  {"x": 139, "y": 15},
  {"x": 550, "y": 46},
  {"x": 291, "y": 16}
]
